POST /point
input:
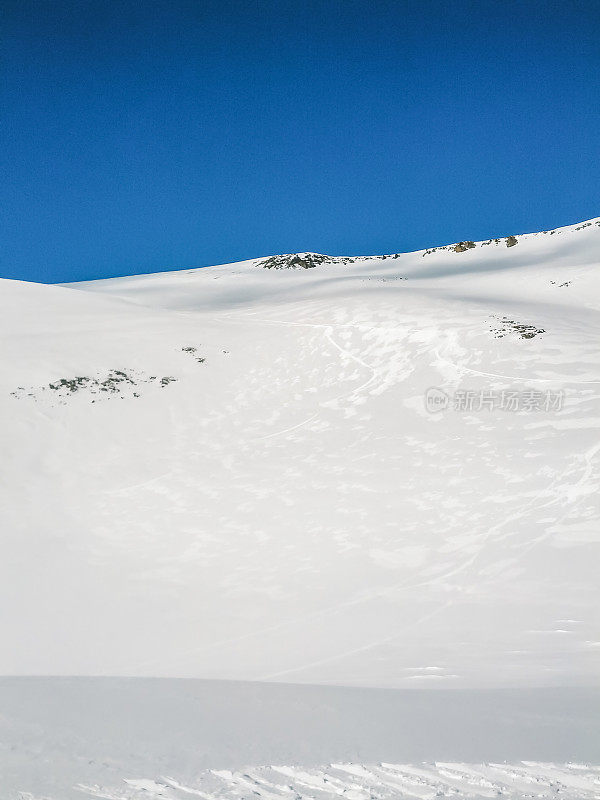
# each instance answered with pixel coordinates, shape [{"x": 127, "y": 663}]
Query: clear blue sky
[{"x": 148, "y": 135}]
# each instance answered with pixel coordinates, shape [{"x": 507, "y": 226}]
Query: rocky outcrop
[{"x": 303, "y": 261}]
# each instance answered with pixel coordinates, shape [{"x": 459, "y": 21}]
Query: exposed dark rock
[
  {"x": 462, "y": 246},
  {"x": 509, "y": 325},
  {"x": 303, "y": 261},
  {"x": 113, "y": 384}
]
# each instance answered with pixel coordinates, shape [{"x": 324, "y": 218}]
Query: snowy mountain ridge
[{"x": 311, "y": 260}]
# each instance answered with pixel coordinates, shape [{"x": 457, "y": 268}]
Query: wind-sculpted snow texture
[
  {"x": 367, "y": 782},
  {"x": 273, "y": 500}
]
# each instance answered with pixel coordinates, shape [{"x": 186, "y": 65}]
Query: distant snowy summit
[{"x": 312, "y": 260}]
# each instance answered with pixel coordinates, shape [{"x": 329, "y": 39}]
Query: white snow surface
[
  {"x": 287, "y": 509},
  {"x": 365, "y": 782},
  {"x": 132, "y": 738}
]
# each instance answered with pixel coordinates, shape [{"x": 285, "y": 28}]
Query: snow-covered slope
[{"x": 234, "y": 472}]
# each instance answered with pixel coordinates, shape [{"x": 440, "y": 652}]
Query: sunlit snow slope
[{"x": 232, "y": 471}]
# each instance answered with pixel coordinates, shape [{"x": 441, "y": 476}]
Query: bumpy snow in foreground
[{"x": 526, "y": 779}]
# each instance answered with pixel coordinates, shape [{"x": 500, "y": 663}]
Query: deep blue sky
[{"x": 146, "y": 135}]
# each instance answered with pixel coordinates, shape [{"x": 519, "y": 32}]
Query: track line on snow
[
  {"x": 361, "y": 649},
  {"x": 137, "y": 485},
  {"x": 328, "y": 335},
  {"x": 520, "y": 378},
  {"x": 287, "y": 430}
]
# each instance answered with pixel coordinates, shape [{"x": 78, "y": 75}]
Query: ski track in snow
[
  {"x": 462, "y": 368},
  {"x": 328, "y": 330}
]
